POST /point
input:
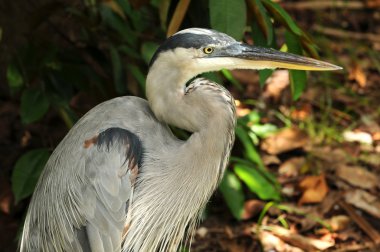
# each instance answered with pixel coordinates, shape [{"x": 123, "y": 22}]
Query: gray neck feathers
[{"x": 188, "y": 174}]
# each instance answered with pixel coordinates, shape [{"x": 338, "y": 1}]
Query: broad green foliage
[
  {"x": 256, "y": 182},
  {"x": 228, "y": 16},
  {"x": 34, "y": 105},
  {"x": 232, "y": 191},
  {"x": 27, "y": 171},
  {"x": 297, "y": 77},
  {"x": 251, "y": 170}
]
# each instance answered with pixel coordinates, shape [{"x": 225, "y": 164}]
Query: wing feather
[{"x": 109, "y": 160}]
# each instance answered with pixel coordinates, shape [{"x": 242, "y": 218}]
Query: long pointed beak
[{"x": 259, "y": 57}]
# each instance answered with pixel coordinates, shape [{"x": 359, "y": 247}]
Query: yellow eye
[{"x": 208, "y": 50}]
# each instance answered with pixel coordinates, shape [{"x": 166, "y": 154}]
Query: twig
[
  {"x": 178, "y": 16},
  {"x": 346, "y": 34},
  {"x": 320, "y": 5},
  {"x": 362, "y": 223}
]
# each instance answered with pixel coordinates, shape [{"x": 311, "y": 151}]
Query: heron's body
[
  {"x": 120, "y": 180},
  {"x": 96, "y": 196}
]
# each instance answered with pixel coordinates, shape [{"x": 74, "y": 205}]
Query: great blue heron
[{"x": 120, "y": 180}]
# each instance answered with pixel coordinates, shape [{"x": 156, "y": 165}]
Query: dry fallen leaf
[
  {"x": 285, "y": 140},
  {"x": 270, "y": 160},
  {"x": 364, "y": 200},
  {"x": 339, "y": 222},
  {"x": 202, "y": 232},
  {"x": 357, "y": 176},
  {"x": 358, "y": 136},
  {"x": 357, "y": 74},
  {"x": 6, "y": 196},
  {"x": 271, "y": 242},
  {"x": 291, "y": 167},
  {"x": 277, "y": 82},
  {"x": 252, "y": 208},
  {"x": 376, "y": 136},
  {"x": 370, "y": 158},
  {"x": 314, "y": 189},
  {"x": 302, "y": 113},
  {"x": 328, "y": 154},
  {"x": 305, "y": 243}
]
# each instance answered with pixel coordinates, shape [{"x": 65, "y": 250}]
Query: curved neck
[
  {"x": 165, "y": 90},
  {"x": 189, "y": 171}
]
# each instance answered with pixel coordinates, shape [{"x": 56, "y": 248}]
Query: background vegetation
[{"x": 67, "y": 56}]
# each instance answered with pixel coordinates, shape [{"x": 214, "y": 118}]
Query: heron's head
[{"x": 195, "y": 50}]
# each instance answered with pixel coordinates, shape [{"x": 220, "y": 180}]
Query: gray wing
[{"x": 111, "y": 165}]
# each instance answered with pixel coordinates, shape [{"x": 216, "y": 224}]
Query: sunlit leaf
[
  {"x": 249, "y": 149},
  {"x": 34, "y": 105},
  {"x": 233, "y": 194},
  {"x": 252, "y": 118},
  {"x": 264, "y": 130},
  {"x": 228, "y": 17},
  {"x": 256, "y": 182},
  {"x": 27, "y": 171}
]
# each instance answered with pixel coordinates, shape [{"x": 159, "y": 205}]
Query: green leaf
[
  {"x": 228, "y": 16},
  {"x": 256, "y": 182},
  {"x": 118, "y": 24},
  {"x": 147, "y": 51},
  {"x": 282, "y": 16},
  {"x": 117, "y": 71},
  {"x": 125, "y": 5},
  {"x": 259, "y": 40},
  {"x": 263, "y": 20},
  {"x": 228, "y": 75},
  {"x": 34, "y": 105},
  {"x": 297, "y": 82},
  {"x": 14, "y": 77},
  {"x": 27, "y": 171},
  {"x": 213, "y": 76},
  {"x": 233, "y": 194},
  {"x": 249, "y": 150},
  {"x": 252, "y": 118},
  {"x": 297, "y": 78},
  {"x": 264, "y": 130}
]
